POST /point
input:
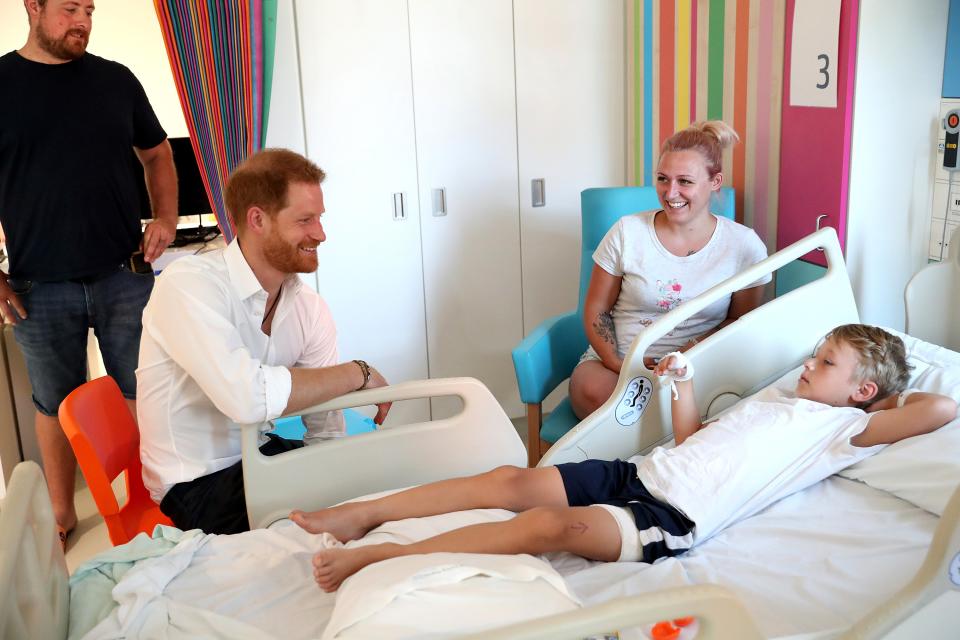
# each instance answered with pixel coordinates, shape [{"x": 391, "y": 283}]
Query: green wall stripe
[
  {"x": 715, "y": 60},
  {"x": 269, "y": 50}
]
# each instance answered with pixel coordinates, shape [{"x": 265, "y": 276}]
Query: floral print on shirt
[{"x": 669, "y": 294}]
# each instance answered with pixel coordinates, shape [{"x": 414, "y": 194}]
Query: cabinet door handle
[
  {"x": 399, "y": 212},
  {"x": 440, "y": 202},
  {"x": 538, "y": 192},
  {"x": 819, "y": 218}
]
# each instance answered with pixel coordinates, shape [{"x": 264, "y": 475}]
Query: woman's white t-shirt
[{"x": 655, "y": 281}]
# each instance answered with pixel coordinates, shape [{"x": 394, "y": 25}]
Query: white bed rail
[
  {"x": 34, "y": 597},
  {"x": 740, "y": 358},
  {"x": 475, "y": 440},
  {"x": 929, "y": 605},
  {"x": 720, "y": 616}
]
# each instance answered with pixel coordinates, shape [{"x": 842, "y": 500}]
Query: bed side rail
[
  {"x": 34, "y": 596},
  {"x": 719, "y": 615},
  {"x": 757, "y": 347},
  {"x": 475, "y": 440},
  {"x": 929, "y": 605}
]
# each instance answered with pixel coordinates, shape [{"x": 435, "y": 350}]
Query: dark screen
[{"x": 192, "y": 198}]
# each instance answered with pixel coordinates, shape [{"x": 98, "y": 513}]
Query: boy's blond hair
[{"x": 881, "y": 357}]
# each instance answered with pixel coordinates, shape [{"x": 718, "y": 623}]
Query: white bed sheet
[{"x": 814, "y": 562}]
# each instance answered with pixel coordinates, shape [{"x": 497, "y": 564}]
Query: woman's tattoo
[{"x": 604, "y": 327}]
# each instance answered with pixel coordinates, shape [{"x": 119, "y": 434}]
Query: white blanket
[
  {"x": 259, "y": 584},
  {"x": 816, "y": 561},
  {"x": 446, "y": 594}
]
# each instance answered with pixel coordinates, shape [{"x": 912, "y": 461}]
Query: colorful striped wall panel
[{"x": 692, "y": 60}]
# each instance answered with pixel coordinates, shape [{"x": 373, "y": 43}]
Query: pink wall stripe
[
  {"x": 761, "y": 141},
  {"x": 693, "y": 60},
  {"x": 667, "y": 54}
]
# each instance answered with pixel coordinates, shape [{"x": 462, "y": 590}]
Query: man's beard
[
  {"x": 65, "y": 48},
  {"x": 287, "y": 258}
]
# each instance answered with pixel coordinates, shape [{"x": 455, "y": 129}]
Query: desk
[{"x": 174, "y": 253}]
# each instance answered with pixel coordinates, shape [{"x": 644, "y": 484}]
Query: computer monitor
[
  {"x": 191, "y": 195},
  {"x": 192, "y": 199}
]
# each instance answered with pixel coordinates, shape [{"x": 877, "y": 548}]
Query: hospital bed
[{"x": 849, "y": 557}]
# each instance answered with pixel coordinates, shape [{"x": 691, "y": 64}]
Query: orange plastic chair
[{"x": 106, "y": 441}]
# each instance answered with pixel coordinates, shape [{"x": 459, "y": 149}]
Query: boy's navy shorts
[{"x": 663, "y": 530}]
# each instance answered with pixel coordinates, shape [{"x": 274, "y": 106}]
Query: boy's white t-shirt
[
  {"x": 757, "y": 452},
  {"x": 655, "y": 281}
]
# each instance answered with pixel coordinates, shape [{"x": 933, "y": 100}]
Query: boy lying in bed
[{"x": 849, "y": 402}]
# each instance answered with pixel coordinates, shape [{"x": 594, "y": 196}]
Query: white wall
[
  {"x": 898, "y": 84},
  {"x": 123, "y": 30}
]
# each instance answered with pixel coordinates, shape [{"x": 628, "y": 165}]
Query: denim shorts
[{"x": 53, "y": 337}]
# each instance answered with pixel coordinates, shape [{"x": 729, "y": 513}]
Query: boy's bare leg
[
  {"x": 510, "y": 488},
  {"x": 590, "y": 532}
]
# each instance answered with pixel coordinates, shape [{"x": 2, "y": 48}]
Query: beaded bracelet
[{"x": 365, "y": 370}]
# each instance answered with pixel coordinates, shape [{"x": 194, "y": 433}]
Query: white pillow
[
  {"x": 446, "y": 594},
  {"x": 924, "y": 470}
]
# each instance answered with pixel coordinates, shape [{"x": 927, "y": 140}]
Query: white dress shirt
[{"x": 206, "y": 367}]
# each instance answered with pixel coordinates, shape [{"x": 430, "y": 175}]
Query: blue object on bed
[
  {"x": 547, "y": 356},
  {"x": 293, "y": 429}
]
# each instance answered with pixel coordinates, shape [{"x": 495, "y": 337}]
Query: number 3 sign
[{"x": 813, "y": 54}]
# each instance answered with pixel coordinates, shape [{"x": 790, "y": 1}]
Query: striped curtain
[
  {"x": 694, "y": 60},
  {"x": 221, "y": 55}
]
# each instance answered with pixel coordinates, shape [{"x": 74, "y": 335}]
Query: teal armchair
[{"x": 547, "y": 356}]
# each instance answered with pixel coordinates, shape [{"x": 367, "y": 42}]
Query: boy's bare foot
[
  {"x": 332, "y": 566},
  {"x": 343, "y": 522}
]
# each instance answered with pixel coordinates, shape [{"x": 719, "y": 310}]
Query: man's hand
[
  {"x": 377, "y": 380},
  {"x": 157, "y": 236},
  {"x": 10, "y": 306}
]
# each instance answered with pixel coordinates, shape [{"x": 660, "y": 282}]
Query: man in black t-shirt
[{"x": 70, "y": 209}]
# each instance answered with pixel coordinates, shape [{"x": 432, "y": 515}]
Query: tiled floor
[{"x": 90, "y": 536}]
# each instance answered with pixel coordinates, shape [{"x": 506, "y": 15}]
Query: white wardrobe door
[
  {"x": 571, "y": 135},
  {"x": 355, "y": 70},
  {"x": 462, "y": 56}
]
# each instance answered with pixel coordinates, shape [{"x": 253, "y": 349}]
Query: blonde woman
[{"x": 652, "y": 261}]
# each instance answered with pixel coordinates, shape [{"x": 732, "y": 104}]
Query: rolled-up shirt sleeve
[
  {"x": 320, "y": 350},
  {"x": 277, "y": 385},
  {"x": 195, "y": 326}
]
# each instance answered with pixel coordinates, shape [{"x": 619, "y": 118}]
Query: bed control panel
[{"x": 633, "y": 401}]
